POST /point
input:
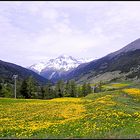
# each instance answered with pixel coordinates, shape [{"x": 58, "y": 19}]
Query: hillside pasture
[{"x": 110, "y": 114}]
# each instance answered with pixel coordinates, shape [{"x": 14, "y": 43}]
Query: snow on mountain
[
  {"x": 85, "y": 60},
  {"x": 63, "y": 63},
  {"x": 38, "y": 67},
  {"x": 53, "y": 73}
]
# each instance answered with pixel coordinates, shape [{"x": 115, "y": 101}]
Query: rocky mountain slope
[{"x": 124, "y": 63}]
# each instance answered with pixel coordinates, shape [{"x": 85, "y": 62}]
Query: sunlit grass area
[
  {"x": 114, "y": 86},
  {"x": 111, "y": 114}
]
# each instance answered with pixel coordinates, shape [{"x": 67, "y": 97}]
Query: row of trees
[
  {"x": 28, "y": 88},
  {"x": 71, "y": 89}
]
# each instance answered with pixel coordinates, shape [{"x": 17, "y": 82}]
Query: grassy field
[{"x": 109, "y": 114}]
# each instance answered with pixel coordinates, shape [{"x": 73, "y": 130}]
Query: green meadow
[{"x": 113, "y": 113}]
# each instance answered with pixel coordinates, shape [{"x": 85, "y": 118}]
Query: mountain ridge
[
  {"x": 38, "y": 67},
  {"x": 7, "y": 70},
  {"x": 122, "y": 60},
  {"x": 54, "y": 68}
]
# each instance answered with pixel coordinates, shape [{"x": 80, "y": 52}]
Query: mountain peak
[
  {"x": 61, "y": 63},
  {"x": 63, "y": 56}
]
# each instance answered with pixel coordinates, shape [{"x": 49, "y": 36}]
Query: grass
[
  {"x": 114, "y": 86},
  {"x": 110, "y": 114}
]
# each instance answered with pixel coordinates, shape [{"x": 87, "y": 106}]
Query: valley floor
[{"x": 109, "y": 114}]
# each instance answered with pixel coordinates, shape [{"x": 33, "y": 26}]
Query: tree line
[{"x": 29, "y": 89}]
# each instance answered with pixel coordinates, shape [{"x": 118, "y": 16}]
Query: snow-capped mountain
[
  {"x": 38, "y": 67},
  {"x": 62, "y": 62},
  {"x": 56, "y": 67}
]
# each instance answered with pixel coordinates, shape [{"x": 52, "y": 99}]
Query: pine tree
[
  {"x": 24, "y": 89},
  {"x": 84, "y": 89},
  {"x": 1, "y": 91},
  {"x": 42, "y": 92},
  {"x": 95, "y": 88},
  {"x": 31, "y": 85},
  {"x": 89, "y": 89},
  {"x": 67, "y": 89},
  {"x": 19, "y": 83},
  {"x": 49, "y": 92},
  {"x": 73, "y": 91},
  {"x": 100, "y": 86},
  {"x": 79, "y": 91},
  {"x": 59, "y": 88},
  {"x": 6, "y": 90}
]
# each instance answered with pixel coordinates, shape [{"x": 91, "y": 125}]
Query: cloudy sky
[{"x": 34, "y": 31}]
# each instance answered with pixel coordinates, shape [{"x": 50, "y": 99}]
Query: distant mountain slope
[
  {"x": 135, "y": 45},
  {"x": 55, "y": 68},
  {"x": 7, "y": 70},
  {"x": 125, "y": 60}
]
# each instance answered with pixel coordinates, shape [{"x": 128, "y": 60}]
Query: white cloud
[
  {"x": 50, "y": 14},
  {"x": 42, "y": 30}
]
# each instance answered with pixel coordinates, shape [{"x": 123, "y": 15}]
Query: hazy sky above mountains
[{"x": 34, "y": 31}]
